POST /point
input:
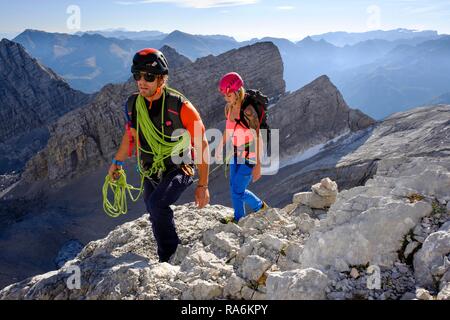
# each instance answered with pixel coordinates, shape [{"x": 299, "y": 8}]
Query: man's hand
[
  {"x": 256, "y": 172},
  {"x": 201, "y": 197},
  {"x": 113, "y": 171}
]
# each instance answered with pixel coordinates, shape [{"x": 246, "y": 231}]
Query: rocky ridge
[{"x": 326, "y": 244}]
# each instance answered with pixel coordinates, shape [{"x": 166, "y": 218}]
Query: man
[{"x": 154, "y": 115}]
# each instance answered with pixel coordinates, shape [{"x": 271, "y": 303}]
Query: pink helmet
[{"x": 231, "y": 82}]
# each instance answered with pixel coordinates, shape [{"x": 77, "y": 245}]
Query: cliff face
[
  {"x": 31, "y": 97},
  {"x": 87, "y": 137},
  {"x": 313, "y": 115}
]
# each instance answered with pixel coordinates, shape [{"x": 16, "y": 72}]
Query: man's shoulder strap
[
  {"x": 173, "y": 103},
  {"x": 129, "y": 106}
]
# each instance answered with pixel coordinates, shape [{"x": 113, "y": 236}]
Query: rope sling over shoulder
[{"x": 160, "y": 147}]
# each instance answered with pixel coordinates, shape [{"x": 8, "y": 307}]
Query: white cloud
[
  {"x": 286, "y": 8},
  {"x": 198, "y": 4}
]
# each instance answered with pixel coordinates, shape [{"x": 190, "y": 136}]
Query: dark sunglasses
[{"x": 149, "y": 77}]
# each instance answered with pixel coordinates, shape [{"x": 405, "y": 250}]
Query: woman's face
[{"x": 230, "y": 98}]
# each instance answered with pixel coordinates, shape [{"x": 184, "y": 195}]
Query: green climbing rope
[
  {"x": 119, "y": 188},
  {"x": 160, "y": 148}
]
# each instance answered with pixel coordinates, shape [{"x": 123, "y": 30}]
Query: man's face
[{"x": 146, "y": 88}]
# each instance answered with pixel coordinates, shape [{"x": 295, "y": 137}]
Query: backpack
[{"x": 260, "y": 104}]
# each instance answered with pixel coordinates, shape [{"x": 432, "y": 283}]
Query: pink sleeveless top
[{"x": 240, "y": 135}]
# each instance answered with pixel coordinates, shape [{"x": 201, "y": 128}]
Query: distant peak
[
  {"x": 11, "y": 44},
  {"x": 323, "y": 78},
  {"x": 322, "y": 82},
  {"x": 177, "y": 32},
  {"x": 5, "y": 41},
  {"x": 33, "y": 32}
]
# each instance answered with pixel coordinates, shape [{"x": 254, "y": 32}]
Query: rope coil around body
[{"x": 160, "y": 149}]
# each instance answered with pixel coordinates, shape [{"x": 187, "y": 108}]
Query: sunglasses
[{"x": 149, "y": 77}]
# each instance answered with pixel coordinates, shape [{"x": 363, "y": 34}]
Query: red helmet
[{"x": 231, "y": 82}]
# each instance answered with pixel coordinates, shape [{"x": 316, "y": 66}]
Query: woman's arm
[{"x": 253, "y": 122}]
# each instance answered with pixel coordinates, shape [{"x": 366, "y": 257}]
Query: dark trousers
[{"x": 158, "y": 198}]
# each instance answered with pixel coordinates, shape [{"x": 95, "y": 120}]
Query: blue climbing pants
[{"x": 240, "y": 178}]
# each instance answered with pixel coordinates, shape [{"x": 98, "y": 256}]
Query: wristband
[
  {"x": 200, "y": 186},
  {"x": 117, "y": 162}
]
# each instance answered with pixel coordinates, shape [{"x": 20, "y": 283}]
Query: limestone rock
[
  {"x": 368, "y": 224},
  {"x": 444, "y": 294},
  {"x": 305, "y": 284},
  {"x": 254, "y": 267},
  {"x": 202, "y": 290},
  {"x": 323, "y": 195},
  {"x": 423, "y": 294},
  {"x": 431, "y": 255},
  {"x": 410, "y": 248},
  {"x": 305, "y": 223},
  {"x": 326, "y": 188},
  {"x": 354, "y": 273},
  {"x": 233, "y": 288}
]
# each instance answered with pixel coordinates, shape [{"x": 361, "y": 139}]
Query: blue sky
[{"x": 242, "y": 19}]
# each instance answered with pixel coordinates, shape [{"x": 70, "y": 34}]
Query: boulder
[
  {"x": 202, "y": 290},
  {"x": 254, "y": 267},
  {"x": 430, "y": 257},
  {"x": 305, "y": 284}
]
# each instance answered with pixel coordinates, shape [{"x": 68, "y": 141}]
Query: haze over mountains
[
  {"x": 341, "y": 39},
  {"x": 378, "y": 72}
]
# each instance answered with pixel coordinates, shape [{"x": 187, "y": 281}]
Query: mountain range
[
  {"x": 342, "y": 39},
  {"x": 367, "y": 67}
]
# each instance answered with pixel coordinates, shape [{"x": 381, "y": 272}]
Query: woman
[{"x": 245, "y": 164}]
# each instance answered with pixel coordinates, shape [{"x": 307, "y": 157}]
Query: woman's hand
[{"x": 256, "y": 172}]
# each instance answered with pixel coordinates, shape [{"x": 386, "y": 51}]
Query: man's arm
[
  {"x": 193, "y": 123},
  {"x": 201, "y": 147},
  {"x": 121, "y": 155}
]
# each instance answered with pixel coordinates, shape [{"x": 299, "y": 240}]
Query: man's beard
[{"x": 147, "y": 93}]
